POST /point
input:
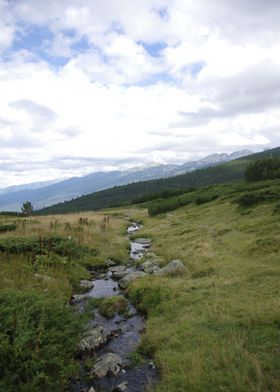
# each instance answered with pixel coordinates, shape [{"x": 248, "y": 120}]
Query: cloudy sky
[{"x": 88, "y": 85}]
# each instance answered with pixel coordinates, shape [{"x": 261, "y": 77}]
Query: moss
[{"x": 110, "y": 306}]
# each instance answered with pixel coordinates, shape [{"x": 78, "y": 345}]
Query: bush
[
  {"x": 206, "y": 198},
  {"x": 7, "y": 227},
  {"x": 108, "y": 307},
  {"x": 248, "y": 199},
  {"x": 61, "y": 246},
  {"x": 263, "y": 169},
  {"x": 38, "y": 339}
]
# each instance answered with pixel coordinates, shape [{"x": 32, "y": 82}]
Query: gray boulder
[
  {"x": 108, "y": 364},
  {"x": 149, "y": 267},
  {"x": 78, "y": 298},
  {"x": 175, "y": 267},
  {"x": 121, "y": 387},
  {"x": 86, "y": 284},
  {"x": 118, "y": 272},
  {"x": 93, "y": 339},
  {"x": 127, "y": 279}
]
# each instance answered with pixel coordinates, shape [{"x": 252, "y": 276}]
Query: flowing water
[{"x": 125, "y": 332}]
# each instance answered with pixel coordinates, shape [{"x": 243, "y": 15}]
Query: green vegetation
[
  {"x": 218, "y": 330},
  {"x": 108, "y": 307},
  {"x": 42, "y": 262},
  {"x": 27, "y": 208},
  {"x": 7, "y": 227},
  {"x": 38, "y": 338},
  {"x": 148, "y": 190},
  {"x": 264, "y": 169}
]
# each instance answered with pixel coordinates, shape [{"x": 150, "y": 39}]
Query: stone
[
  {"x": 110, "y": 263},
  {"x": 143, "y": 241},
  {"x": 93, "y": 339},
  {"x": 78, "y": 298},
  {"x": 108, "y": 364},
  {"x": 86, "y": 284},
  {"x": 151, "y": 365},
  {"x": 121, "y": 387},
  {"x": 127, "y": 279},
  {"x": 118, "y": 272},
  {"x": 149, "y": 267},
  {"x": 175, "y": 267}
]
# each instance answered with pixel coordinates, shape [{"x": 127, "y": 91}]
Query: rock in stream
[{"x": 111, "y": 341}]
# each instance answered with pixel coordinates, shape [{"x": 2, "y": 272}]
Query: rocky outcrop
[
  {"x": 118, "y": 272},
  {"x": 149, "y": 267},
  {"x": 94, "y": 338},
  {"x": 175, "y": 267},
  {"x": 123, "y": 387},
  {"x": 127, "y": 279},
  {"x": 108, "y": 364},
  {"x": 76, "y": 298},
  {"x": 86, "y": 284}
]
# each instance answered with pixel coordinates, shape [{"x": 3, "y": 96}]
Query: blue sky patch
[
  {"x": 194, "y": 68},
  {"x": 163, "y": 77},
  {"x": 31, "y": 38},
  {"x": 154, "y": 49}
]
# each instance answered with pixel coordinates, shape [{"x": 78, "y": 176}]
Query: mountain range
[
  {"x": 138, "y": 192},
  {"x": 44, "y": 194}
]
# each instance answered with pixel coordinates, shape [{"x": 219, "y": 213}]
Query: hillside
[
  {"x": 214, "y": 327},
  {"x": 52, "y": 192},
  {"x": 117, "y": 196}
]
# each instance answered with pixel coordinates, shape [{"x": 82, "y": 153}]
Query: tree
[
  {"x": 27, "y": 208},
  {"x": 263, "y": 169}
]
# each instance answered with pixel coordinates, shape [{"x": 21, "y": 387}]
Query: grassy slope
[
  {"x": 17, "y": 271},
  {"x": 36, "y": 320},
  {"x": 230, "y": 171},
  {"x": 218, "y": 330}
]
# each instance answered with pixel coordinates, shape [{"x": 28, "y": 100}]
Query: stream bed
[{"x": 112, "y": 342}]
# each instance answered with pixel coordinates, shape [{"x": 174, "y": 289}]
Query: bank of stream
[{"x": 112, "y": 342}]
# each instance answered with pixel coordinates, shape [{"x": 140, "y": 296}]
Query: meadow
[
  {"x": 42, "y": 262},
  {"x": 214, "y": 328}
]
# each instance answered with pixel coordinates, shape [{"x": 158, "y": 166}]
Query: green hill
[{"x": 124, "y": 195}]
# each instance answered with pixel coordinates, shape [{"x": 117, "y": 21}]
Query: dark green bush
[
  {"x": 248, "y": 199},
  {"x": 160, "y": 206},
  {"x": 162, "y": 195},
  {"x": 65, "y": 247},
  {"x": 263, "y": 169},
  {"x": 206, "y": 198},
  {"x": 38, "y": 340},
  {"x": 7, "y": 227}
]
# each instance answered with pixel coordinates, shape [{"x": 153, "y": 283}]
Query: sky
[{"x": 91, "y": 85}]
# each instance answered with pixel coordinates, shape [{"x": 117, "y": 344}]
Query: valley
[{"x": 212, "y": 326}]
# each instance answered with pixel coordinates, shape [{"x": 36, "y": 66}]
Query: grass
[
  {"x": 108, "y": 307},
  {"x": 41, "y": 264},
  {"x": 215, "y": 329},
  {"x": 220, "y": 329}
]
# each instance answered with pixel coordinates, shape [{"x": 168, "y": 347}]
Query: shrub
[
  {"x": 206, "y": 198},
  {"x": 38, "y": 339},
  {"x": 61, "y": 246},
  {"x": 263, "y": 169},
  {"x": 108, "y": 307},
  {"x": 250, "y": 198},
  {"x": 7, "y": 227}
]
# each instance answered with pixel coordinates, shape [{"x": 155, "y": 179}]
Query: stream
[{"x": 112, "y": 341}]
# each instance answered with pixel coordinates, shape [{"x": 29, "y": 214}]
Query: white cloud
[{"x": 161, "y": 80}]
